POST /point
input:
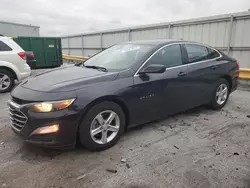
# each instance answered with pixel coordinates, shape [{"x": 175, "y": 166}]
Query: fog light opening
[{"x": 46, "y": 130}]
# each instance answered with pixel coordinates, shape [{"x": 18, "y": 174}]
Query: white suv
[{"x": 13, "y": 64}]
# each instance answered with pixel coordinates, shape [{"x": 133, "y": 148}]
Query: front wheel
[
  {"x": 102, "y": 126},
  {"x": 220, "y": 94}
]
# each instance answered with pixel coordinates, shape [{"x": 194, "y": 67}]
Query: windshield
[{"x": 119, "y": 57}]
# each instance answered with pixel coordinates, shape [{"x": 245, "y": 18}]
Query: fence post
[
  {"x": 69, "y": 45},
  {"x": 230, "y": 34},
  {"x": 129, "y": 35},
  {"x": 82, "y": 46},
  {"x": 169, "y": 27},
  {"x": 101, "y": 41}
]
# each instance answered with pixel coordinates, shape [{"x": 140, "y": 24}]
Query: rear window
[{"x": 4, "y": 47}]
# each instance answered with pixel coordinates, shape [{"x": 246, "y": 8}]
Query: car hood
[{"x": 66, "y": 79}]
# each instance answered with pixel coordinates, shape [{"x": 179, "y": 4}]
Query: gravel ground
[{"x": 198, "y": 148}]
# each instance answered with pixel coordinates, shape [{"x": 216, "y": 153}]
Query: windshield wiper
[{"x": 96, "y": 67}]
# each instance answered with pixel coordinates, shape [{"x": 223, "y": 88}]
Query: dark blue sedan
[{"x": 121, "y": 87}]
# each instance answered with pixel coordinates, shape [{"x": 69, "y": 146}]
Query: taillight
[
  {"x": 32, "y": 55},
  {"x": 22, "y": 55},
  {"x": 238, "y": 64}
]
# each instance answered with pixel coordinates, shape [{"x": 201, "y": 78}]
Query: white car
[{"x": 13, "y": 64}]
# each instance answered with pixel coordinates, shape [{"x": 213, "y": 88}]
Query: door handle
[
  {"x": 181, "y": 74},
  {"x": 214, "y": 66}
]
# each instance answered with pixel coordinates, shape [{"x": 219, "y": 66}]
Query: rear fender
[{"x": 8, "y": 65}]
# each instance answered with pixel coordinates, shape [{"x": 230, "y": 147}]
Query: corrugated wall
[
  {"x": 14, "y": 30},
  {"x": 230, "y": 33}
]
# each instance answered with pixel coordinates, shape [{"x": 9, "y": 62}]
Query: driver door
[{"x": 160, "y": 94}]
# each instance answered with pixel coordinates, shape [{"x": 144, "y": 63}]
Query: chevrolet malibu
[{"x": 121, "y": 87}]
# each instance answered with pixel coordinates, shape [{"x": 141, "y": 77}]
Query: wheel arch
[
  {"x": 230, "y": 81},
  {"x": 110, "y": 98},
  {"x": 10, "y": 70}
]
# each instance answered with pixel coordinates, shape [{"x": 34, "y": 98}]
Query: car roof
[
  {"x": 156, "y": 42},
  {"x": 162, "y": 42}
]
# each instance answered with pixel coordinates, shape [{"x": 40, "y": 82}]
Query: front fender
[{"x": 9, "y": 65}]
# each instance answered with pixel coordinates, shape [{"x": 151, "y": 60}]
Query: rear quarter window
[
  {"x": 212, "y": 53},
  {"x": 4, "y": 47}
]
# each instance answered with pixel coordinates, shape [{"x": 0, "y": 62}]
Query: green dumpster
[{"x": 47, "y": 50}]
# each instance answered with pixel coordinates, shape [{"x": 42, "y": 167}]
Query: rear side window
[
  {"x": 212, "y": 54},
  {"x": 169, "y": 56},
  {"x": 196, "y": 53},
  {"x": 4, "y": 47}
]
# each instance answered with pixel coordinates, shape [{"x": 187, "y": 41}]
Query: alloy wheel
[
  {"x": 4, "y": 81},
  {"x": 221, "y": 94},
  {"x": 104, "y": 127}
]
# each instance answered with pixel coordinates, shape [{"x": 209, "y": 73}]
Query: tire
[
  {"x": 89, "y": 121},
  {"x": 8, "y": 76},
  {"x": 216, "y": 103}
]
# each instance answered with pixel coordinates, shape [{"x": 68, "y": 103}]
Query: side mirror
[{"x": 153, "y": 68}]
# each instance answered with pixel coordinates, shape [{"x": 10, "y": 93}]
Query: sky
[{"x": 67, "y": 17}]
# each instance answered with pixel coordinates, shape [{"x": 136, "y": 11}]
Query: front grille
[{"x": 18, "y": 119}]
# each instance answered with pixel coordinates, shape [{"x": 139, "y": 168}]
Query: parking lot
[{"x": 198, "y": 148}]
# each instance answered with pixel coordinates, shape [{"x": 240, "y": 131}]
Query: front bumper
[{"x": 67, "y": 119}]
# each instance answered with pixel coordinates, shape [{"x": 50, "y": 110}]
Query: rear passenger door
[{"x": 201, "y": 73}]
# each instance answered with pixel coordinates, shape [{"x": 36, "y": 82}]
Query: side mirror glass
[{"x": 153, "y": 68}]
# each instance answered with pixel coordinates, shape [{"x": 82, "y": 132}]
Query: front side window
[
  {"x": 4, "y": 47},
  {"x": 196, "y": 53},
  {"x": 169, "y": 56},
  {"x": 119, "y": 57}
]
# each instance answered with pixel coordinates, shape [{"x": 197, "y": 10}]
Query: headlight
[{"x": 51, "y": 106}]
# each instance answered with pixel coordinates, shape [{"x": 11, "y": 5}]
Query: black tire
[
  {"x": 84, "y": 129},
  {"x": 214, "y": 104},
  {"x": 12, "y": 80}
]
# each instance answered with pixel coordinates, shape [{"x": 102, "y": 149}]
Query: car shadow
[
  {"x": 195, "y": 112},
  {"x": 31, "y": 152}
]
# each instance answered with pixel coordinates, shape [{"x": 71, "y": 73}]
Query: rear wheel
[
  {"x": 220, "y": 94},
  {"x": 7, "y": 81},
  {"x": 102, "y": 126}
]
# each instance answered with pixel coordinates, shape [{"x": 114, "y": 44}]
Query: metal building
[
  {"x": 15, "y": 29},
  {"x": 229, "y": 33}
]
